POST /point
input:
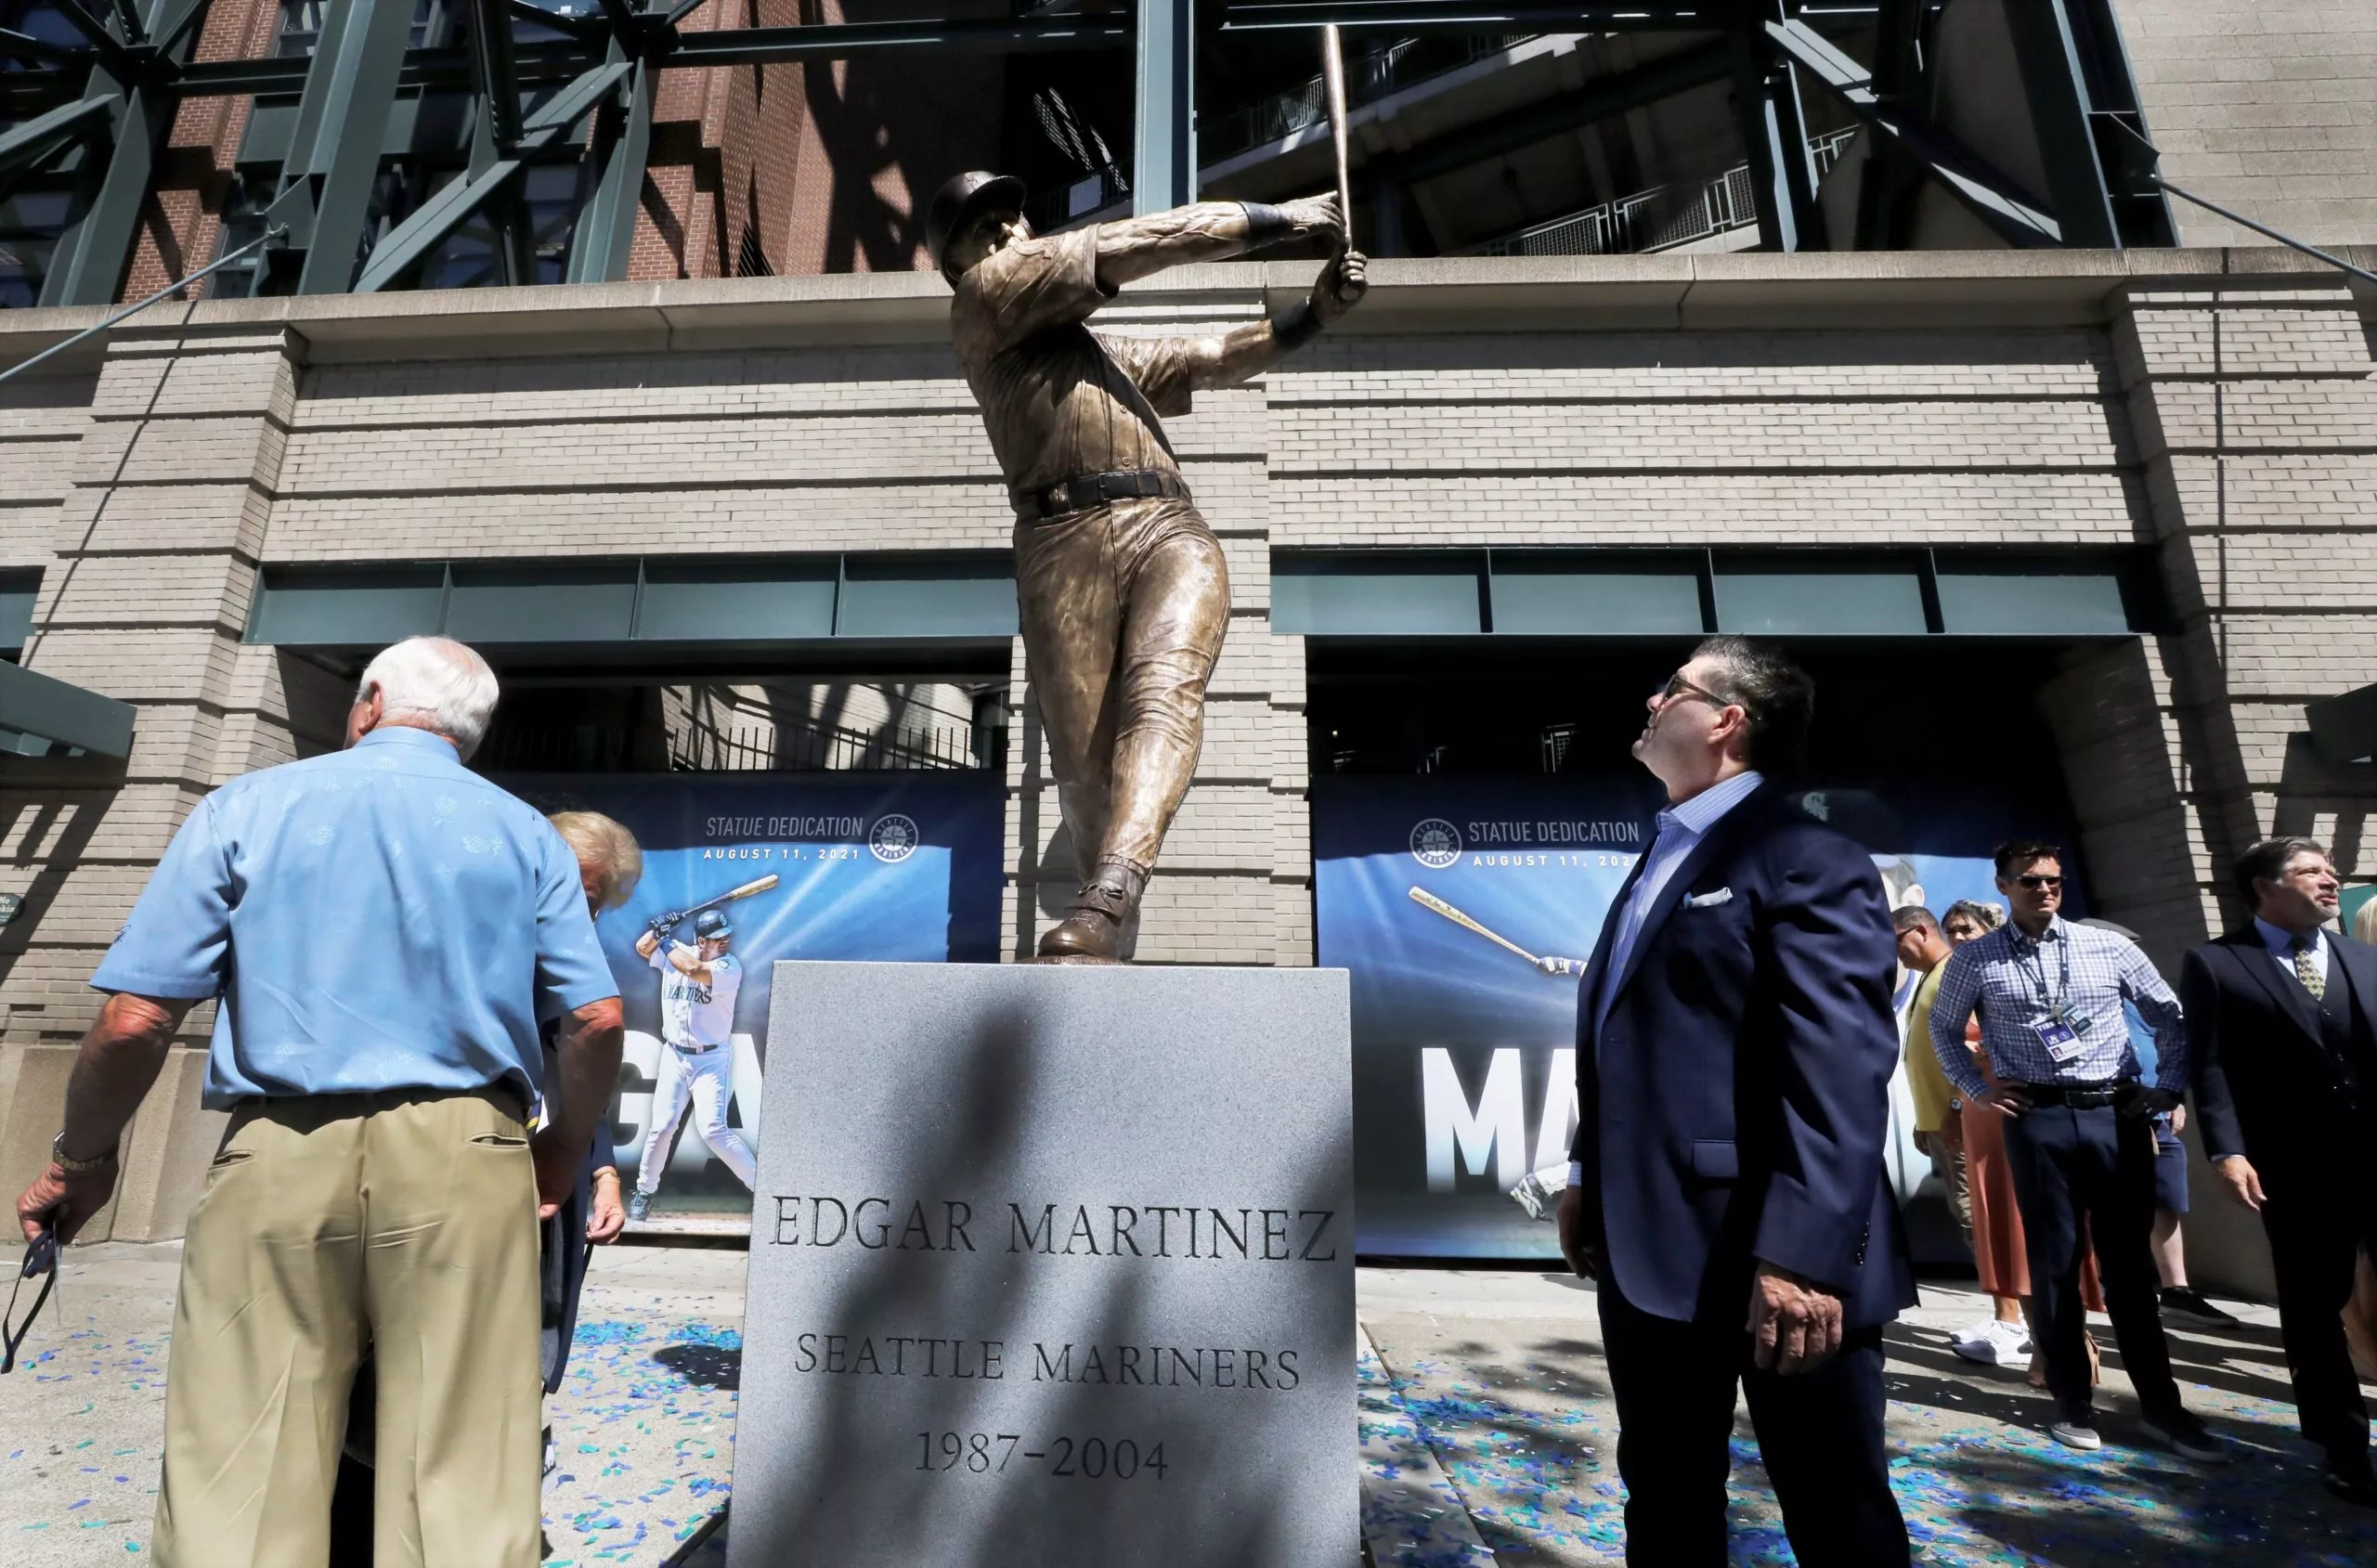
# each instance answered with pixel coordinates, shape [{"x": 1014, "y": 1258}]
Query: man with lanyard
[{"x": 2078, "y": 1130}]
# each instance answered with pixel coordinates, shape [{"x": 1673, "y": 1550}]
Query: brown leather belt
[{"x": 1084, "y": 491}]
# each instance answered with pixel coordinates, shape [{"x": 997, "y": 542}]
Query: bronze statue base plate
[{"x": 1071, "y": 958}]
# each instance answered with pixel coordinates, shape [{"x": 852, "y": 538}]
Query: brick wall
[
  {"x": 2267, "y": 107},
  {"x": 181, "y": 217}
]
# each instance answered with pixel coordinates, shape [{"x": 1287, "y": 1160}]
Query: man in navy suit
[
  {"x": 2282, "y": 1050},
  {"x": 1734, "y": 1044}
]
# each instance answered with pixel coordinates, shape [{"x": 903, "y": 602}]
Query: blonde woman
[{"x": 610, "y": 862}]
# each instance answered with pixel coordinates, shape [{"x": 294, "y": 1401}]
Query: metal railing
[
  {"x": 819, "y": 748},
  {"x": 1368, "y": 78},
  {"x": 1660, "y": 218}
]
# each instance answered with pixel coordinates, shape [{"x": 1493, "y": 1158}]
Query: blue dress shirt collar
[
  {"x": 411, "y": 735},
  {"x": 1703, "y": 811},
  {"x": 2019, "y": 937},
  {"x": 2283, "y": 942}
]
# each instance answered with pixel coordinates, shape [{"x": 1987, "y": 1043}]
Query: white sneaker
[{"x": 1992, "y": 1343}]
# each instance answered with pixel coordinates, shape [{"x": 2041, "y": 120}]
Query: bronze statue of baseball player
[{"x": 1120, "y": 584}]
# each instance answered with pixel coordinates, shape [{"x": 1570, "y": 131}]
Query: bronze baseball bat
[
  {"x": 1426, "y": 899},
  {"x": 1332, "y": 80}
]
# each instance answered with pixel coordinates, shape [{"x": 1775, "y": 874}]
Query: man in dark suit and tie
[
  {"x": 1734, "y": 1046},
  {"x": 2282, "y": 1053}
]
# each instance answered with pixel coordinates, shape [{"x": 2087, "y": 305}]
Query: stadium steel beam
[
  {"x": 621, "y": 142},
  {"x": 131, "y": 75},
  {"x": 334, "y": 158},
  {"x": 413, "y": 240},
  {"x": 565, "y": 60},
  {"x": 1599, "y": 99},
  {"x": 1774, "y": 134},
  {"x": 2062, "y": 119},
  {"x": 24, "y": 46},
  {"x": 1973, "y": 182},
  {"x": 1163, "y": 158},
  {"x": 1417, "y": 16},
  {"x": 1901, "y": 82},
  {"x": 496, "y": 126},
  {"x": 36, "y": 141},
  {"x": 95, "y": 31},
  {"x": 771, "y": 45}
]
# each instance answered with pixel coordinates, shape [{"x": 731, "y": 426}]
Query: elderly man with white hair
[{"x": 384, "y": 931}]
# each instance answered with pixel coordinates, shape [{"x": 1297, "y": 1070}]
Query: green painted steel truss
[
  {"x": 93, "y": 113},
  {"x": 97, "y": 111}
]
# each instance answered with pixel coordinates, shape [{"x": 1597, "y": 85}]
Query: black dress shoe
[
  {"x": 2359, "y": 1488},
  {"x": 2187, "y": 1306}
]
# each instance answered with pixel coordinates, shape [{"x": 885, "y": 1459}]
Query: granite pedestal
[{"x": 1051, "y": 1265}]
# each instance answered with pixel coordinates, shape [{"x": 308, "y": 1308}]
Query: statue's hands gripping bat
[
  {"x": 668, "y": 923},
  {"x": 1341, "y": 286}
]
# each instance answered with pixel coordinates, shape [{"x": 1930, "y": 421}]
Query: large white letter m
[{"x": 1496, "y": 1126}]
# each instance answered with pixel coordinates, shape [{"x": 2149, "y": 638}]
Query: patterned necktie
[{"x": 2307, "y": 969}]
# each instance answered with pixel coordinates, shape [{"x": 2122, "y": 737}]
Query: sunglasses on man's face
[
  {"x": 1679, "y": 688},
  {"x": 2037, "y": 883},
  {"x": 40, "y": 1258}
]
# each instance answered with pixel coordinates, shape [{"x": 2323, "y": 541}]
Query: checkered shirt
[{"x": 2001, "y": 975}]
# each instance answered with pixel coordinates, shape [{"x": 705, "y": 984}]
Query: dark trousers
[
  {"x": 2096, "y": 1165},
  {"x": 1820, "y": 1433},
  {"x": 2312, "y": 1240}
]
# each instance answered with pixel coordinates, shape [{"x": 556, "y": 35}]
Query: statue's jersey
[{"x": 1060, "y": 399}]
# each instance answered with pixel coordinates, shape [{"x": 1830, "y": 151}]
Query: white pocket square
[{"x": 1709, "y": 901}]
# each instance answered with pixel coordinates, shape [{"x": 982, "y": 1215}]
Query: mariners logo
[
  {"x": 1436, "y": 842},
  {"x": 893, "y": 838}
]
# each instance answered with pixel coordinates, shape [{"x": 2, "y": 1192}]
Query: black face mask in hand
[{"x": 40, "y": 1258}]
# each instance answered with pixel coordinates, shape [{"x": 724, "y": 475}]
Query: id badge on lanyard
[
  {"x": 2062, "y": 1042},
  {"x": 2058, "y": 1032}
]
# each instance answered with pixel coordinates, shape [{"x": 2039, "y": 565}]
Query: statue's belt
[{"x": 1086, "y": 490}]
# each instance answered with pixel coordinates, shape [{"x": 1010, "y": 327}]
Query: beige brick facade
[
  {"x": 2266, "y": 107},
  {"x": 2215, "y": 406}
]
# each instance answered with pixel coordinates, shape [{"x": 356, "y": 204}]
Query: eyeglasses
[
  {"x": 2037, "y": 883},
  {"x": 40, "y": 1258},
  {"x": 1679, "y": 688}
]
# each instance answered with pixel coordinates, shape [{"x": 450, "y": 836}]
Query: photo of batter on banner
[
  {"x": 699, "y": 985},
  {"x": 741, "y": 869}
]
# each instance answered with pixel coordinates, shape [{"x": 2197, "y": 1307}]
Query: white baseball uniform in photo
[{"x": 696, "y": 1064}]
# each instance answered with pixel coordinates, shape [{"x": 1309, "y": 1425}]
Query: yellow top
[{"x": 1924, "y": 1078}]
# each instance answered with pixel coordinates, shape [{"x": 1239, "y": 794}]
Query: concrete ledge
[{"x": 1467, "y": 294}]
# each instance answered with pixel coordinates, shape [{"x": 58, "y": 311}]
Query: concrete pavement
[{"x": 1489, "y": 1440}]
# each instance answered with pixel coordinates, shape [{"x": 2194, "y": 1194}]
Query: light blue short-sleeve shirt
[{"x": 379, "y": 918}]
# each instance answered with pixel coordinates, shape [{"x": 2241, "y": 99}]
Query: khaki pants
[
  {"x": 1122, "y": 608},
  {"x": 406, "y": 1222}
]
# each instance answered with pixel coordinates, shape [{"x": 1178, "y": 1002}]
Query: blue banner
[
  {"x": 1445, "y": 897},
  {"x": 891, "y": 867}
]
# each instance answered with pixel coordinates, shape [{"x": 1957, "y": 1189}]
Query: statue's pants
[{"x": 1123, "y": 608}]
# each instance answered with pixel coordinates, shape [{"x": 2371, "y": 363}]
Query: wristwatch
[{"x": 78, "y": 1167}]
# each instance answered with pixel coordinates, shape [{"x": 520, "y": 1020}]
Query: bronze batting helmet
[{"x": 965, "y": 198}]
